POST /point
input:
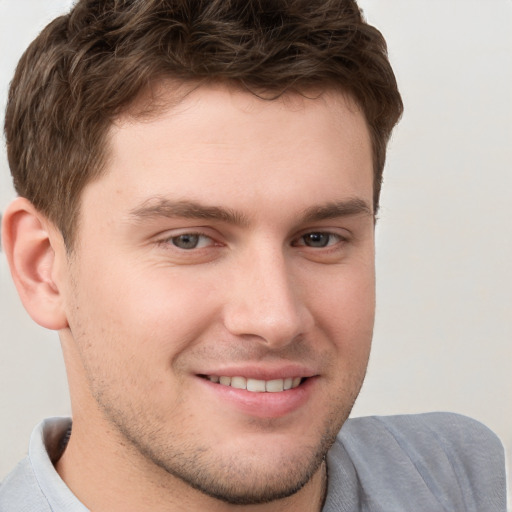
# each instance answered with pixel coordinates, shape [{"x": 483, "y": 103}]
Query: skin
[{"x": 143, "y": 319}]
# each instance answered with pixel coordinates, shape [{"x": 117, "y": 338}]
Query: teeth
[
  {"x": 273, "y": 386},
  {"x": 256, "y": 385},
  {"x": 239, "y": 382},
  {"x": 226, "y": 381}
]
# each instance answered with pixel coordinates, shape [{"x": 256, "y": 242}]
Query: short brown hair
[{"x": 87, "y": 67}]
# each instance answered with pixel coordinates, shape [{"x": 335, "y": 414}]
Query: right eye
[{"x": 188, "y": 241}]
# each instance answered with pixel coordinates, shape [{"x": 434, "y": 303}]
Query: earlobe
[{"x": 32, "y": 250}]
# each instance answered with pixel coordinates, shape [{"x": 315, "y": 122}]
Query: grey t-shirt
[{"x": 435, "y": 462}]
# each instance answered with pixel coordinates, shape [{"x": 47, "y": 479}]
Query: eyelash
[
  {"x": 337, "y": 239},
  {"x": 191, "y": 234}
]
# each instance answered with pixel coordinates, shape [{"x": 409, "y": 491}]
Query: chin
[
  {"x": 247, "y": 475},
  {"x": 251, "y": 480}
]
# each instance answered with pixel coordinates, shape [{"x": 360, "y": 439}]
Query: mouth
[
  {"x": 266, "y": 396},
  {"x": 256, "y": 385}
]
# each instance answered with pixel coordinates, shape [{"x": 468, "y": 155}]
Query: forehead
[
  {"x": 226, "y": 145},
  {"x": 192, "y": 103}
]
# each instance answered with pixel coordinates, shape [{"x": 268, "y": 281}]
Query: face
[{"x": 220, "y": 299}]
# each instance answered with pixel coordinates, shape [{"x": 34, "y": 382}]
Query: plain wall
[{"x": 444, "y": 237}]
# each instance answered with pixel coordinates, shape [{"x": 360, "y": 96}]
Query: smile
[{"x": 256, "y": 385}]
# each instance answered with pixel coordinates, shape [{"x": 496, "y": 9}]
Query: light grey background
[{"x": 443, "y": 337}]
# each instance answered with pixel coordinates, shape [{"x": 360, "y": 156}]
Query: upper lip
[{"x": 259, "y": 372}]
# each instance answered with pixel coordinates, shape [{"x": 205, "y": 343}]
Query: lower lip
[{"x": 263, "y": 405}]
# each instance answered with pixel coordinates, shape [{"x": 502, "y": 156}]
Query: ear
[{"x": 33, "y": 247}]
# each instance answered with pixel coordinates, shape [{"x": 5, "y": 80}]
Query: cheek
[
  {"x": 345, "y": 299},
  {"x": 345, "y": 313},
  {"x": 151, "y": 313}
]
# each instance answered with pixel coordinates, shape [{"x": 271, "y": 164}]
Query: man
[{"x": 198, "y": 187}]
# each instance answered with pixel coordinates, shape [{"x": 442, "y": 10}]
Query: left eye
[
  {"x": 318, "y": 239},
  {"x": 190, "y": 241}
]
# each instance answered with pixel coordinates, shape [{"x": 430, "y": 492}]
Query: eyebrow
[
  {"x": 347, "y": 208},
  {"x": 163, "y": 207}
]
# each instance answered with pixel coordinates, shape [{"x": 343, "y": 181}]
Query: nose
[{"x": 266, "y": 301}]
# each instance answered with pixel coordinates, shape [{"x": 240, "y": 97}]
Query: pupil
[
  {"x": 317, "y": 239},
  {"x": 186, "y": 241}
]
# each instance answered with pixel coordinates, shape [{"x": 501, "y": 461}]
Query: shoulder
[
  {"x": 34, "y": 485},
  {"x": 434, "y": 461},
  {"x": 450, "y": 432},
  {"x": 19, "y": 492}
]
